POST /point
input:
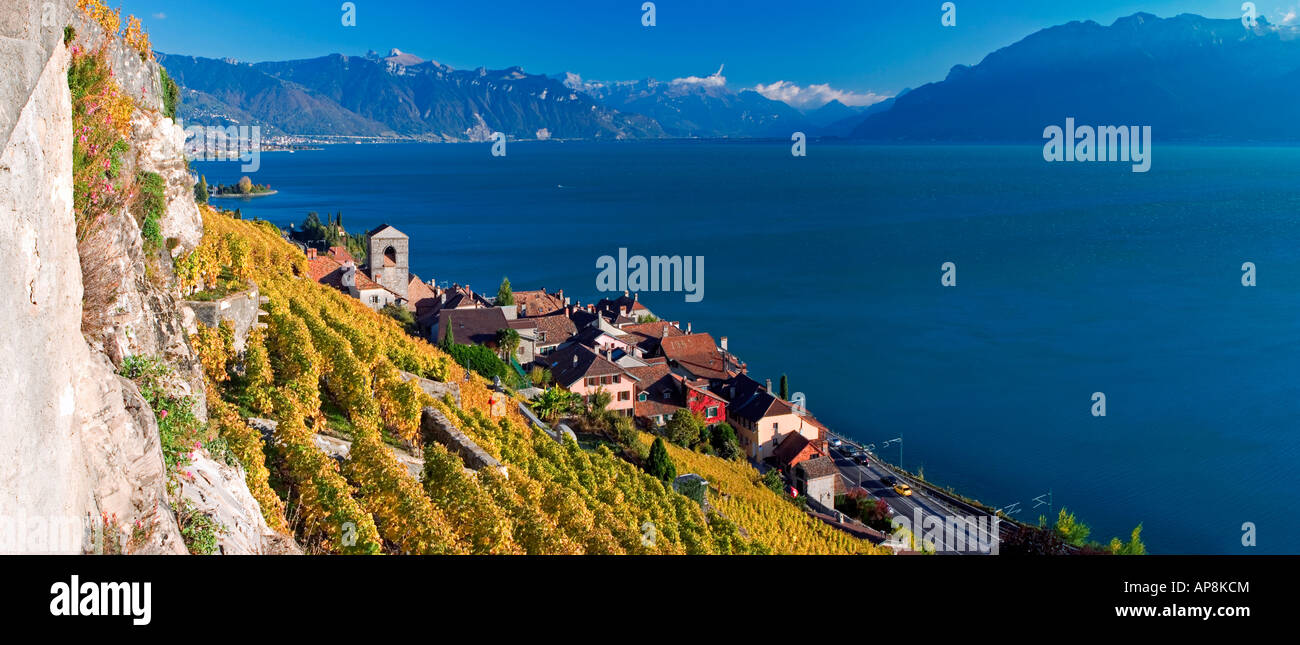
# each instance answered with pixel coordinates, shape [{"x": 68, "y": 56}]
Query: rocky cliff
[{"x": 79, "y": 446}]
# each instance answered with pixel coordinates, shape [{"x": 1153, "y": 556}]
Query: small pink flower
[{"x": 162, "y": 415}]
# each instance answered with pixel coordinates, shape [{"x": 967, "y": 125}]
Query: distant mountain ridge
[
  {"x": 695, "y": 106},
  {"x": 1191, "y": 78},
  {"x": 397, "y": 95}
]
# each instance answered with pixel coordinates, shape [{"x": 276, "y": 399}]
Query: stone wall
[
  {"x": 435, "y": 389},
  {"x": 435, "y": 426},
  {"x": 241, "y": 309}
]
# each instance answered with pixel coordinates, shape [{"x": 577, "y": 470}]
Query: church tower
[{"x": 390, "y": 263}]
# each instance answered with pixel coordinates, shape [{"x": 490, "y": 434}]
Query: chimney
[
  {"x": 724, "y": 343},
  {"x": 591, "y": 308},
  {"x": 311, "y": 253},
  {"x": 575, "y": 360},
  {"x": 688, "y": 327},
  {"x": 769, "y": 386},
  {"x": 635, "y": 296},
  {"x": 663, "y": 331},
  {"x": 566, "y": 300},
  {"x": 625, "y": 293}
]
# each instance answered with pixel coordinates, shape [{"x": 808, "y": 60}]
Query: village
[{"x": 649, "y": 369}]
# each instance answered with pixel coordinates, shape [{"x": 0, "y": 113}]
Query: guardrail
[{"x": 1005, "y": 526}]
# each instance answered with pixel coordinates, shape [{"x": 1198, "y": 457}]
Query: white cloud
[
  {"x": 714, "y": 80},
  {"x": 814, "y": 96},
  {"x": 1289, "y": 18},
  {"x": 160, "y": 16}
]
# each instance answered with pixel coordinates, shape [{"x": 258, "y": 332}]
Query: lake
[{"x": 1071, "y": 278}]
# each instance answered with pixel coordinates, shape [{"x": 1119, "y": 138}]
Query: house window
[
  {"x": 641, "y": 397},
  {"x": 711, "y": 411},
  {"x": 624, "y": 396},
  {"x": 665, "y": 395},
  {"x": 374, "y": 299}
]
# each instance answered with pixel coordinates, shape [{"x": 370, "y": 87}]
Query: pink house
[{"x": 582, "y": 370}]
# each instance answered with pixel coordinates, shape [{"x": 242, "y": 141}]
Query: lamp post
[{"x": 899, "y": 441}]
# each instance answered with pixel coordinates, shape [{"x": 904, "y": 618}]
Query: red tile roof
[
  {"x": 697, "y": 353},
  {"x": 329, "y": 272},
  {"x": 538, "y": 303},
  {"x": 341, "y": 254}
]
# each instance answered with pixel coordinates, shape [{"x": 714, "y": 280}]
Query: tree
[
  {"x": 724, "y": 441},
  {"x": 773, "y": 480},
  {"x": 402, "y": 315},
  {"x": 1133, "y": 547},
  {"x": 554, "y": 403},
  {"x": 540, "y": 376},
  {"x": 596, "y": 406},
  {"x": 659, "y": 464},
  {"x": 245, "y": 185},
  {"x": 448, "y": 336},
  {"x": 1070, "y": 529},
  {"x": 785, "y": 388},
  {"x": 505, "y": 297},
  {"x": 683, "y": 428},
  {"x": 201, "y": 194},
  {"x": 507, "y": 342}
]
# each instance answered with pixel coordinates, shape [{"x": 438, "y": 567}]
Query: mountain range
[
  {"x": 1188, "y": 77},
  {"x": 1191, "y": 78}
]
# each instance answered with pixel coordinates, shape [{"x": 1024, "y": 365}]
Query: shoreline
[{"x": 245, "y": 197}]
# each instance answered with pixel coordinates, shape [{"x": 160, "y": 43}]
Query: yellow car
[{"x": 903, "y": 489}]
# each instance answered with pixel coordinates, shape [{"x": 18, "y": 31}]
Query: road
[{"x": 871, "y": 477}]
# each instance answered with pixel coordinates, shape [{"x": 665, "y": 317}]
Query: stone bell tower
[{"x": 390, "y": 263}]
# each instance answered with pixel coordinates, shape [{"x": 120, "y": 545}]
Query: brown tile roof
[
  {"x": 472, "y": 326},
  {"x": 655, "y": 380},
  {"x": 576, "y": 362},
  {"x": 538, "y": 303},
  {"x": 420, "y": 295},
  {"x": 653, "y": 329},
  {"x": 554, "y": 329},
  {"x": 790, "y": 448},
  {"x": 329, "y": 272},
  {"x": 819, "y": 467},
  {"x": 341, "y": 254}
]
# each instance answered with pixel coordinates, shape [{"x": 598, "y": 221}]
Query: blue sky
[{"x": 854, "y": 46}]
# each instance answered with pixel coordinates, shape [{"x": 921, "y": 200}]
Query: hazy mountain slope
[
  {"x": 1189, "y": 77},
  {"x": 697, "y": 107},
  {"x": 352, "y": 95}
]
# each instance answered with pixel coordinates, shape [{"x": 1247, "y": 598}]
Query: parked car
[
  {"x": 836, "y": 443},
  {"x": 890, "y": 480},
  {"x": 860, "y": 457}
]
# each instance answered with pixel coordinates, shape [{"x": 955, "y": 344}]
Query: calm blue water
[{"x": 1072, "y": 278}]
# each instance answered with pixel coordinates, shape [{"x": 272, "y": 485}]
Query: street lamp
[
  {"x": 1038, "y": 501},
  {"x": 899, "y": 441}
]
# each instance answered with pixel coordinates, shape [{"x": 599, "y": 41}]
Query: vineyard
[{"x": 322, "y": 351}]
